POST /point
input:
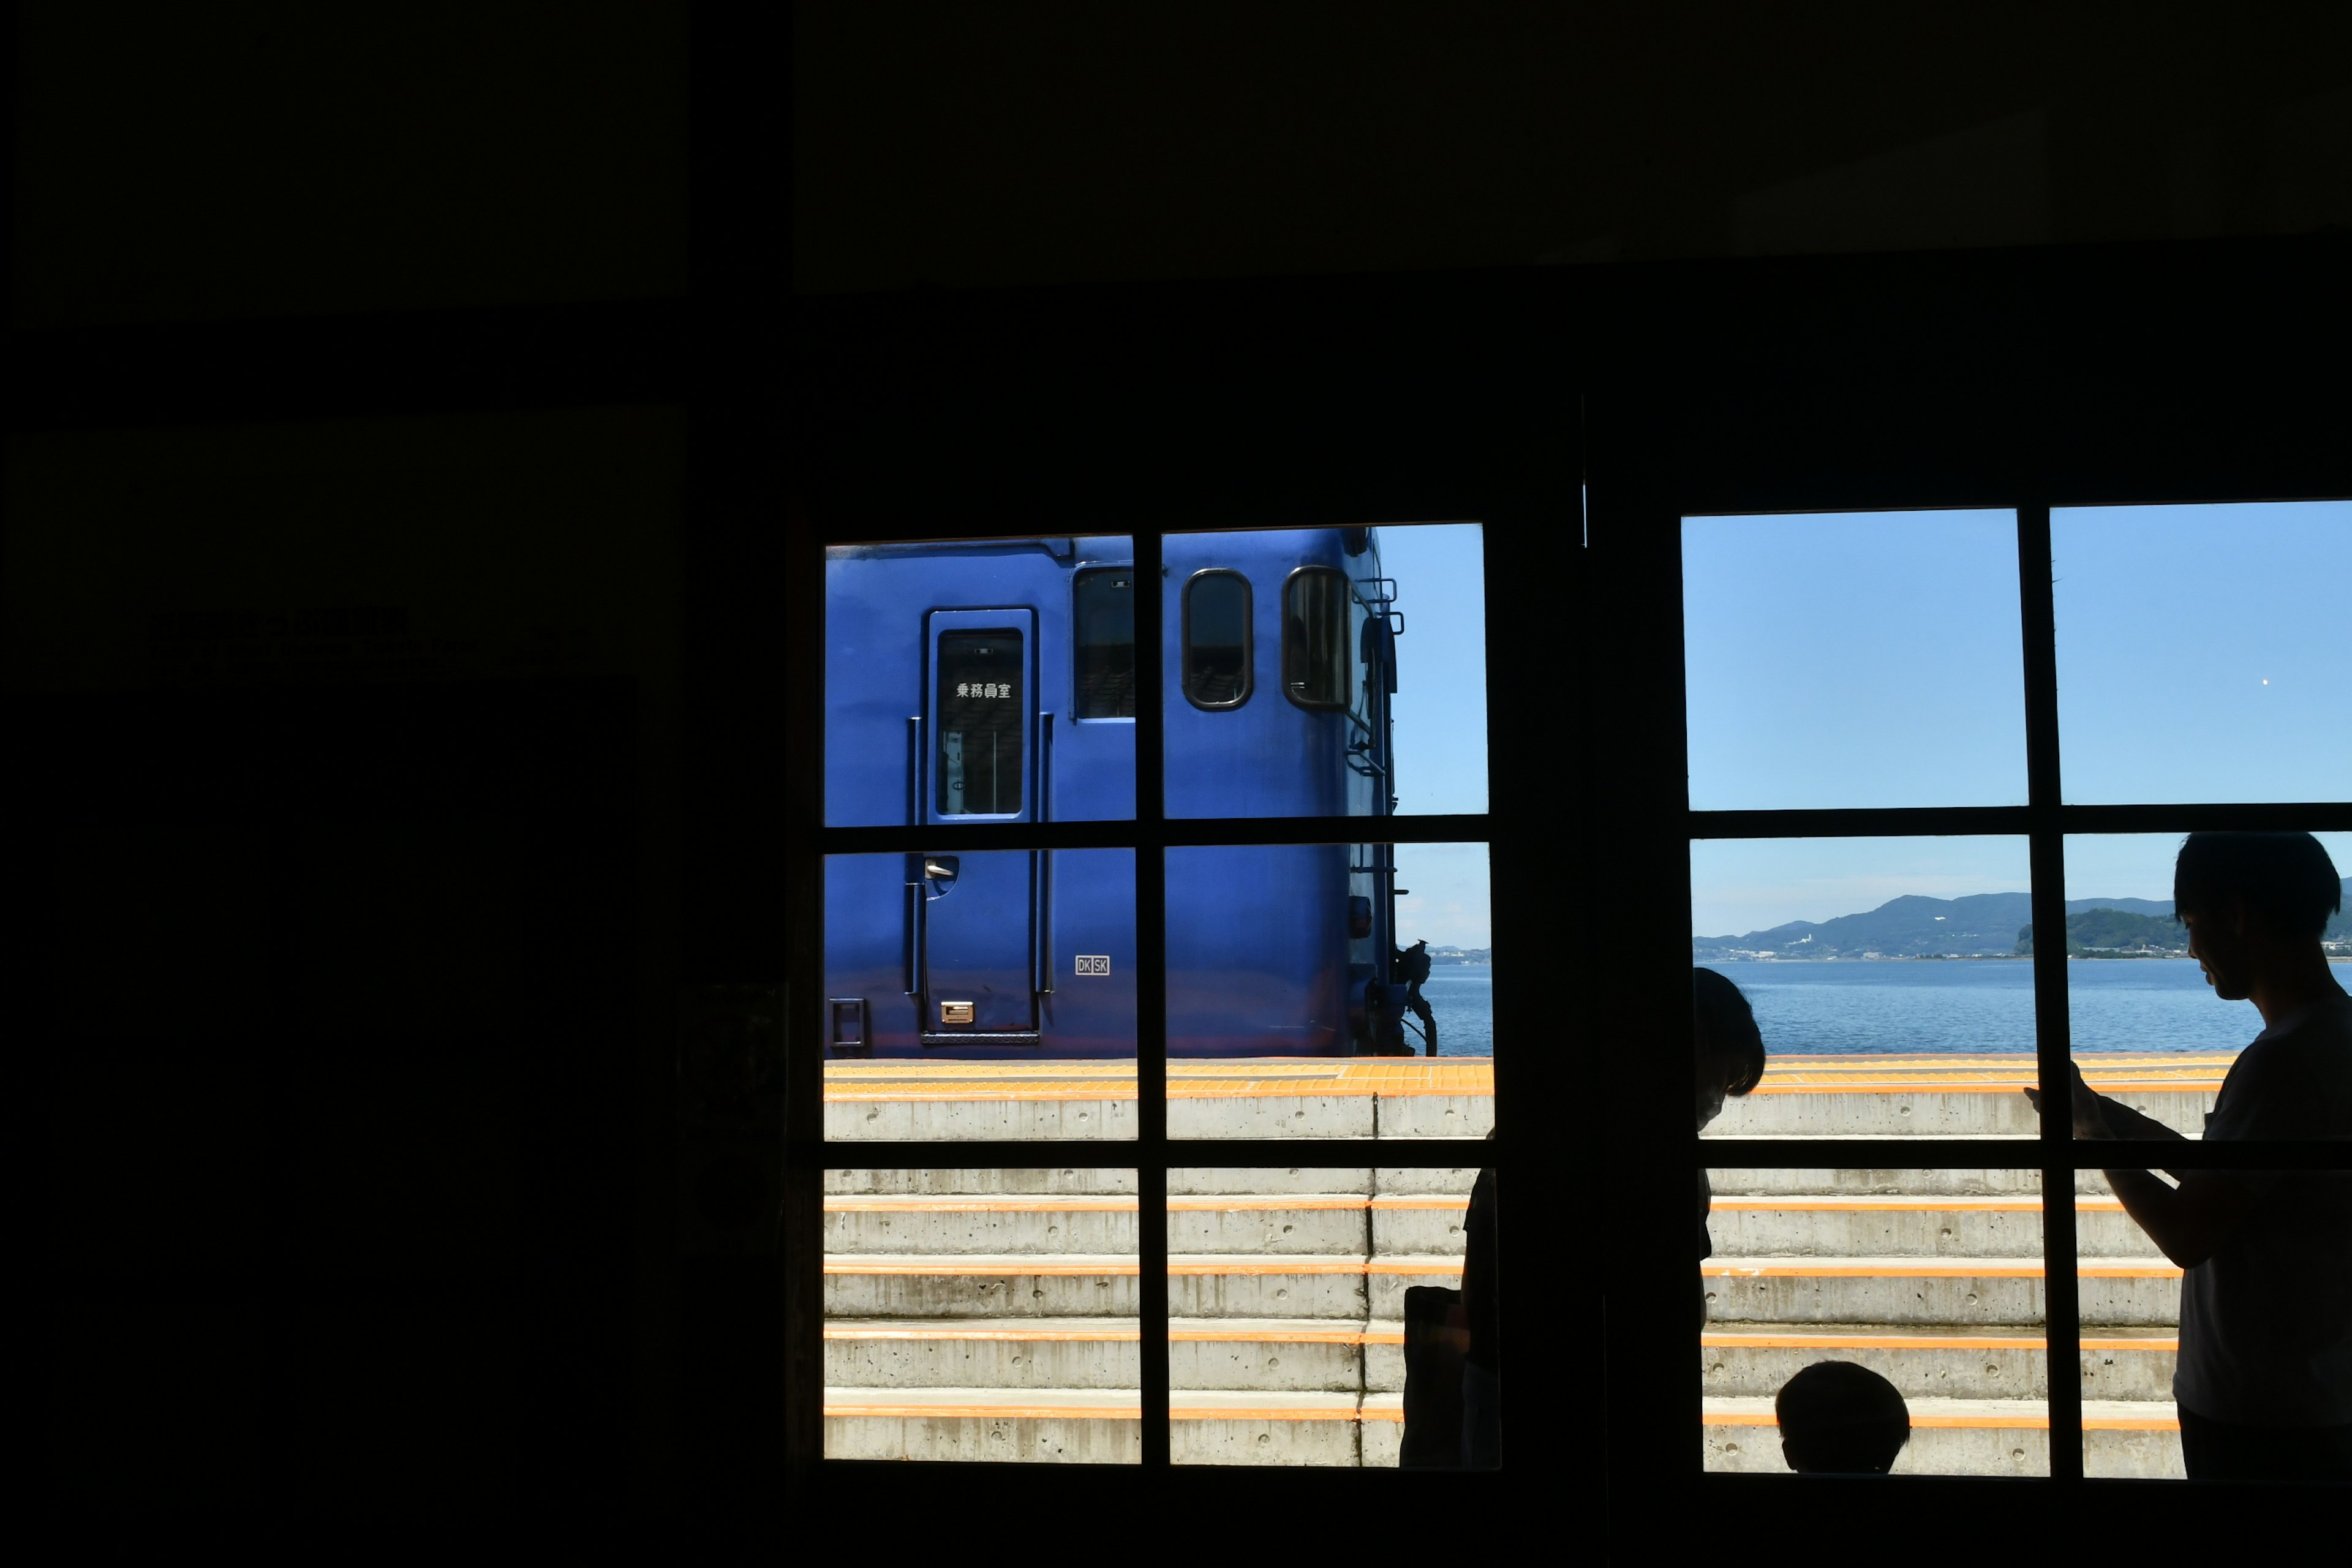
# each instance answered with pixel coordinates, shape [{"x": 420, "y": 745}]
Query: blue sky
[
  {"x": 1440, "y": 700},
  {"x": 1874, "y": 661},
  {"x": 1441, "y": 724}
]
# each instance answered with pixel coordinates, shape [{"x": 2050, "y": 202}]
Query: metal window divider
[
  {"x": 2062, "y": 1294},
  {"x": 1150, "y": 1005}
]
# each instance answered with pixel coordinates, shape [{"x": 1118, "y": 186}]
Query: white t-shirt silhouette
[{"x": 2266, "y": 1321}]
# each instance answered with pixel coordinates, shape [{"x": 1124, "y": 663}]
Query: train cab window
[
  {"x": 1103, "y": 608},
  {"x": 1217, "y": 643},
  {"x": 1315, "y": 638},
  {"x": 978, "y": 765}
]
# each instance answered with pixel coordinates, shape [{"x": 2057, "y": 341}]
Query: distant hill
[
  {"x": 2102, "y": 933},
  {"x": 1983, "y": 925},
  {"x": 2128, "y": 905}
]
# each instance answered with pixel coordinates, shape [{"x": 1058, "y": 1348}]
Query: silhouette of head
[
  {"x": 1838, "y": 1418},
  {"x": 1731, "y": 1046},
  {"x": 2249, "y": 900}
]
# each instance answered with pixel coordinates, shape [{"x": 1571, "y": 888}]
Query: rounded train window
[
  {"x": 1217, "y": 644},
  {"x": 1315, "y": 638}
]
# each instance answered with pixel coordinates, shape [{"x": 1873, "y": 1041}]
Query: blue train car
[{"x": 995, "y": 682}]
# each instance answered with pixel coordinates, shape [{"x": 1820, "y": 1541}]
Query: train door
[{"x": 977, "y": 916}]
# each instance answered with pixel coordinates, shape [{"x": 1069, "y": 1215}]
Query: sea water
[{"x": 1931, "y": 1007}]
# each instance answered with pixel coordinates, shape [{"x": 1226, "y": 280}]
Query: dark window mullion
[
  {"x": 2052, "y": 1043},
  {"x": 1150, "y": 1004}
]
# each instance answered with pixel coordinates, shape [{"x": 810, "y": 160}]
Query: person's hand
[{"x": 2089, "y": 1121}]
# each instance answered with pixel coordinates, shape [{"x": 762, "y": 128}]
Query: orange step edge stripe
[
  {"x": 1979, "y": 1423},
  {"x": 1925, "y": 1269},
  {"x": 945, "y": 1266},
  {"x": 1045, "y": 1203},
  {"x": 1751, "y": 1204},
  {"x": 953, "y": 1330},
  {"x": 1908, "y": 1205},
  {"x": 1902, "y": 1342},
  {"x": 2133, "y": 1085},
  {"x": 1102, "y": 1412}
]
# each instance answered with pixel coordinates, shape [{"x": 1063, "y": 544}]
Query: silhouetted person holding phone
[
  {"x": 1482, "y": 1309},
  {"x": 1838, "y": 1418},
  {"x": 2264, "y": 1382},
  {"x": 1729, "y": 1049}
]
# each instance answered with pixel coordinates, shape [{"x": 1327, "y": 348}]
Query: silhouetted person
[
  {"x": 1730, "y": 1051},
  {"x": 1412, "y": 966},
  {"x": 1481, "y": 1310},
  {"x": 2264, "y": 1380},
  {"x": 1839, "y": 1418}
]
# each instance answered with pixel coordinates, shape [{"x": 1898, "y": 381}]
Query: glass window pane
[
  {"x": 2152, "y": 1029},
  {"x": 2202, "y": 654},
  {"x": 980, "y": 723},
  {"x": 1302, "y": 1299},
  {"x": 1841, "y": 1307},
  {"x": 1883, "y": 978},
  {"x": 1289, "y": 966},
  {"x": 1378, "y": 638},
  {"x": 1217, "y": 639},
  {"x": 980, "y": 995},
  {"x": 1103, "y": 638},
  {"x": 1314, "y": 656},
  {"x": 980, "y": 678},
  {"x": 1854, "y": 661},
  {"x": 2130, "y": 1298},
  {"x": 2257, "y": 1327},
  {"x": 981, "y": 1314}
]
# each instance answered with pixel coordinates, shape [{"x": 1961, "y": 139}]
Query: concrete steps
[
  {"x": 990, "y": 1314},
  {"x": 1934, "y": 1278},
  {"x": 1969, "y": 1438},
  {"x": 1272, "y": 1354},
  {"x": 1297, "y": 1097},
  {"x": 1753, "y": 1363},
  {"x": 1105, "y": 1427},
  {"x": 1955, "y": 1097}
]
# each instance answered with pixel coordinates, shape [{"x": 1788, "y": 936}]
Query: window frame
[
  {"x": 1151, "y": 834},
  {"x": 1184, "y": 642},
  {"x": 1674, "y": 400}
]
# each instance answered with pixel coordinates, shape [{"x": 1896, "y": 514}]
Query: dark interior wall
[
  {"x": 950, "y": 145},
  {"x": 345, "y": 859},
  {"x": 179, "y": 163}
]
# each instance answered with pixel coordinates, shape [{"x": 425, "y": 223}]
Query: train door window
[
  {"x": 978, "y": 767},
  {"x": 1315, "y": 638},
  {"x": 1103, "y": 608},
  {"x": 1217, "y": 642}
]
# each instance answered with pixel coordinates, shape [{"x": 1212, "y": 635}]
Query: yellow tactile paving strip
[
  {"x": 1228, "y": 1078},
  {"x": 1989, "y": 1074},
  {"x": 1265, "y": 1077}
]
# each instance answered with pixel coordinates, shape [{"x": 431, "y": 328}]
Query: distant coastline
[{"x": 1978, "y": 927}]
